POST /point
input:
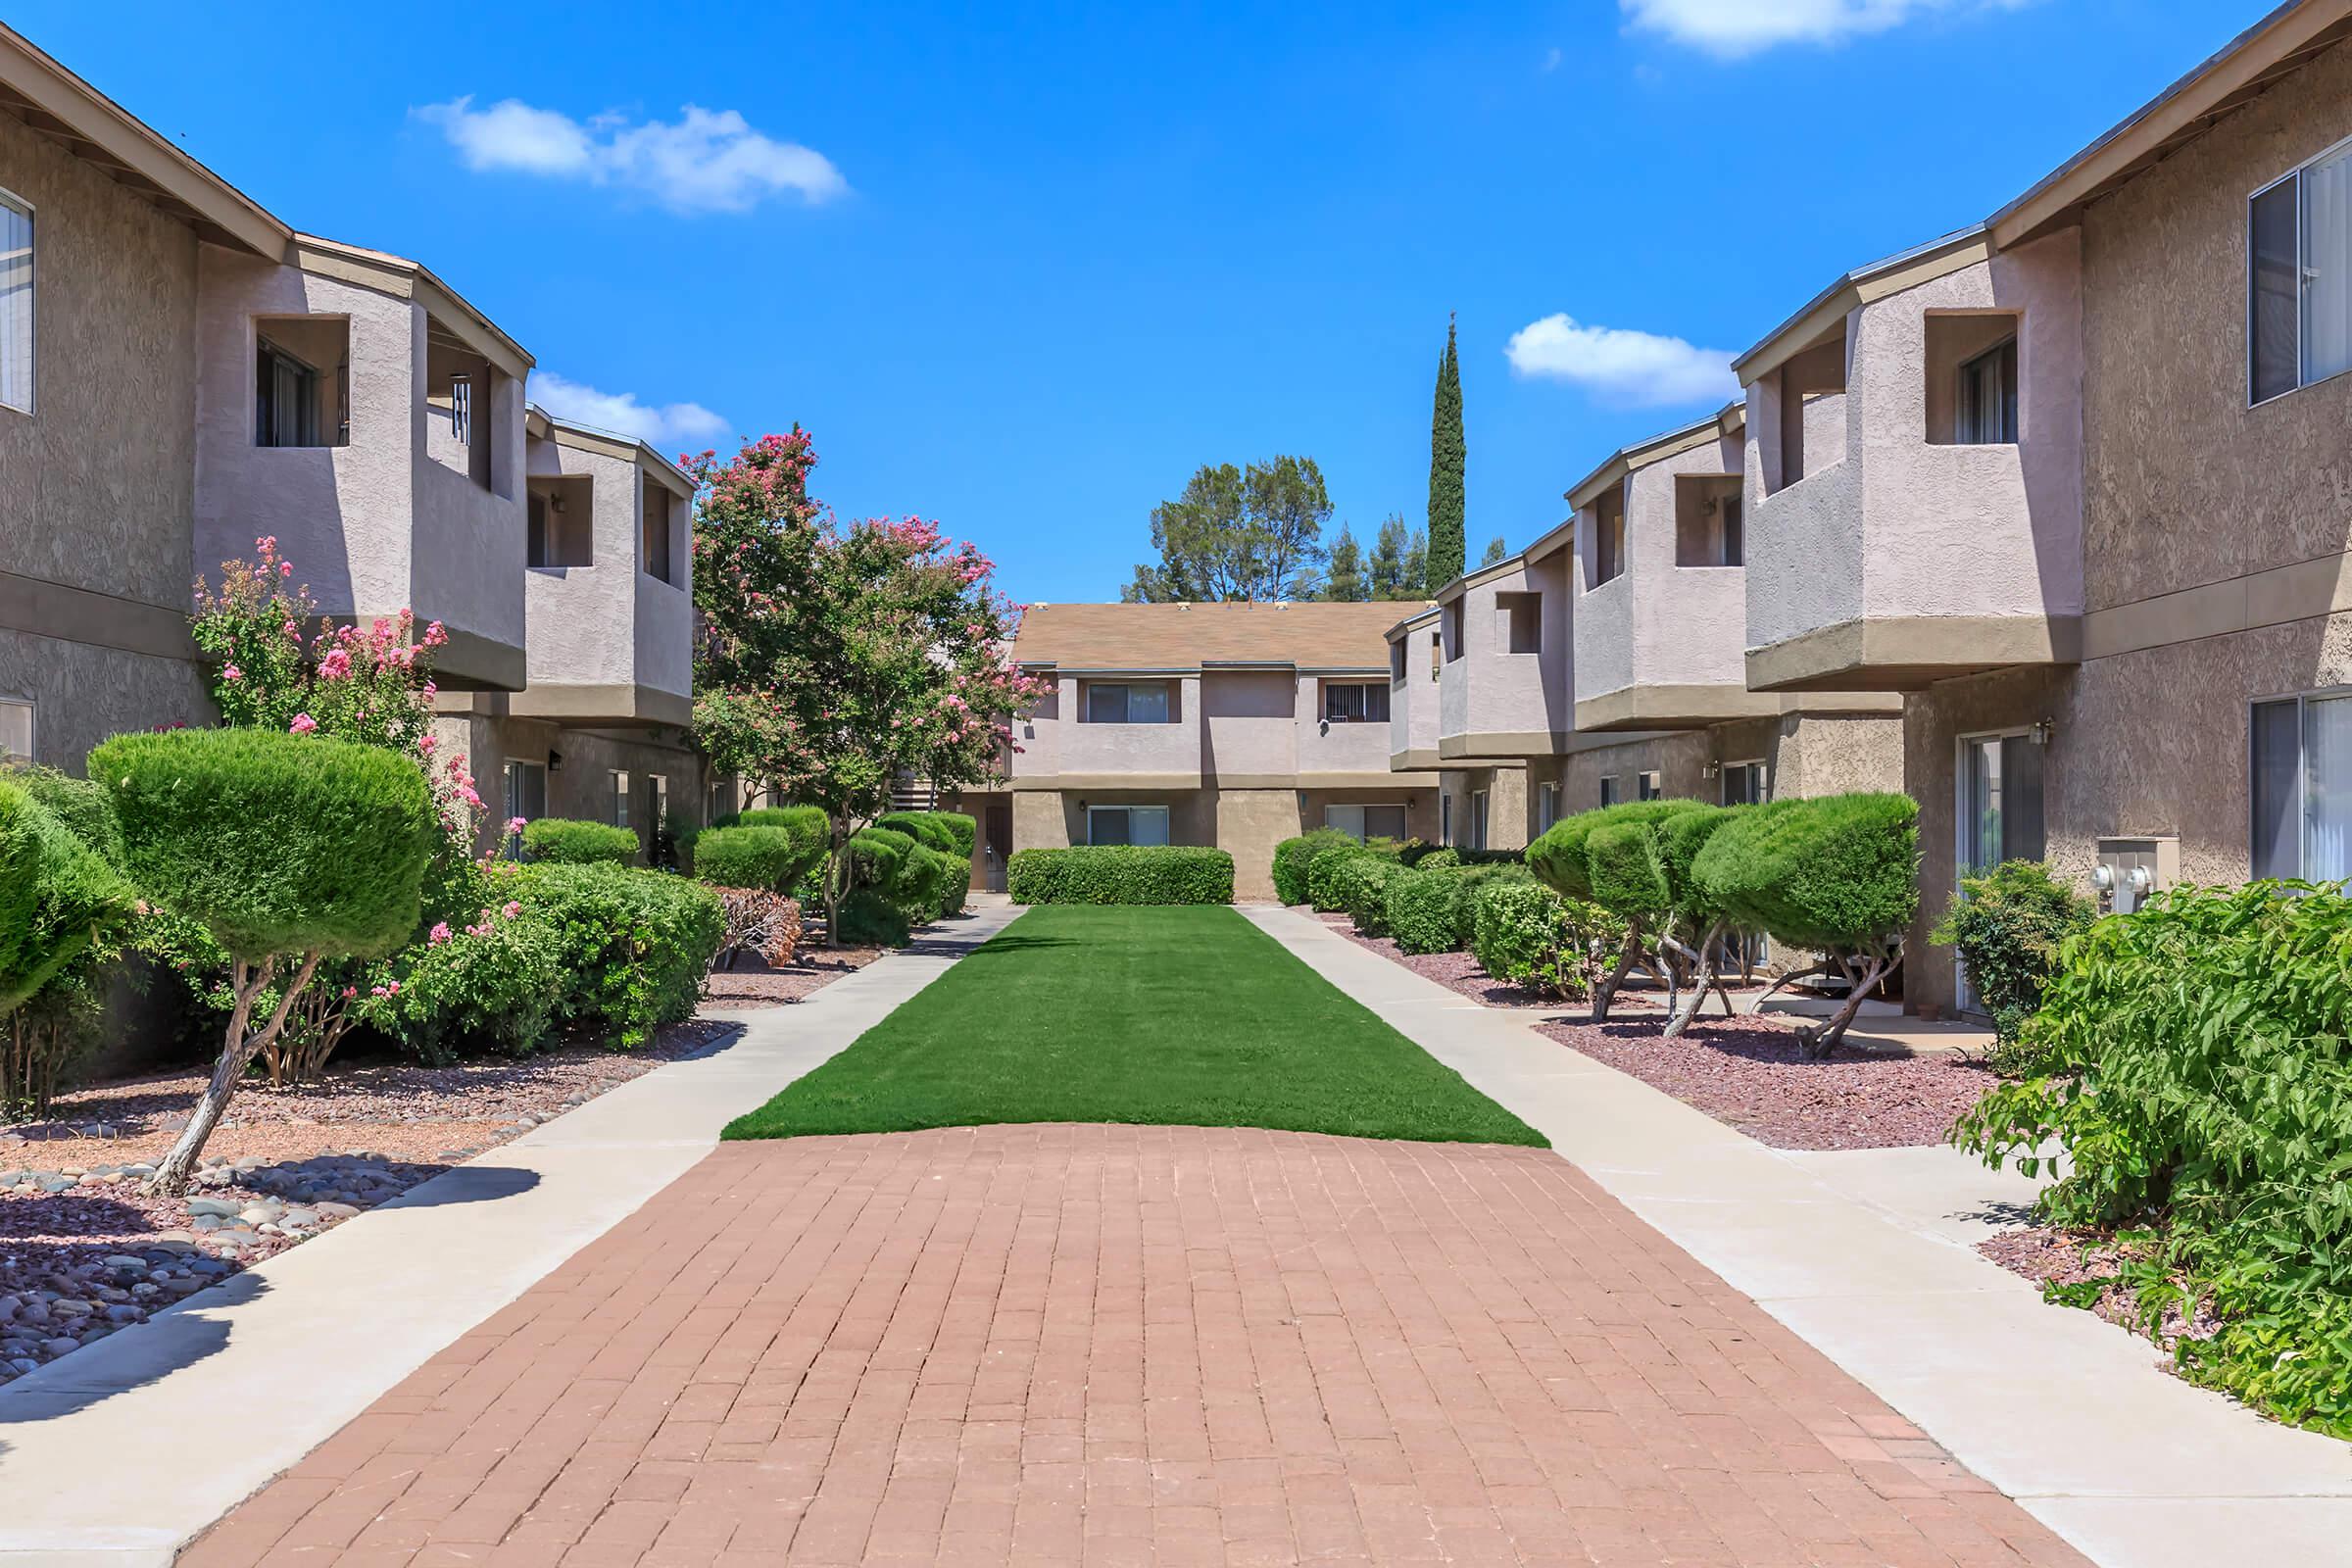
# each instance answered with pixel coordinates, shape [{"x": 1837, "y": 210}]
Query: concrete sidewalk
[
  {"x": 121, "y": 1452},
  {"x": 1868, "y": 1255}
]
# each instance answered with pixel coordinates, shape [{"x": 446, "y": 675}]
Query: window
[
  {"x": 1478, "y": 819},
  {"x": 2299, "y": 278},
  {"x": 1366, "y": 821},
  {"x": 1522, "y": 618},
  {"x": 1127, "y": 824},
  {"x": 1608, "y": 536},
  {"x": 527, "y": 790},
  {"x": 299, "y": 373},
  {"x": 1127, "y": 705},
  {"x": 657, "y": 557},
  {"x": 15, "y": 729},
  {"x": 1646, "y": 786},
  {"x": 1351, "y": 703},
  {"x": 1707, "y": 520},
  {"x": 560, "y": 529},
  {"x": 1547, "y": 805},
  {"x": 1735, "y": 533},
  {"x": 1608, "y": 789},
  {"x": 2001, "y": 801},
  {"x": 1436, "y": 654},
  {"x": 16, "y": 303},
  {"x": 1745, "y": 784},
  {"x": 1450, "y": 619},
  {"x": 2302, "y": 768},
  {"x": 1986, "y": 410},
  {"x": 621, "y": 798},
  {"x": 1446, "y": 819},
  {"x": 1397, "y": 658}
]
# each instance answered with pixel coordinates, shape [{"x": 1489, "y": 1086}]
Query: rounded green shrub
[
  {"x": 1363, "y": 892},
  {"x": 493, "y": 988},
  {"x": 1525, "y": 933},
  {"x": 80, "y": 804},
  {"x": 1560, "y": 859},
  {"x": 1291, "y": 860},
  {"x": 2010, "y": 925},
  {"x": 57, "y": 896},
  {"x": 275, "y": 844},
  {"x": 770, "y": 857},
  {"x": 1438, "y": 860},
  {"x": 1329, "y": 863},
  {"x": 567, "y": 841},
  {"x": 631, "y": 945},
  {"x": 1167, "y": 873},
  {"x": 1424, "y": 909},
  {"x": 1826, "y": 874}
]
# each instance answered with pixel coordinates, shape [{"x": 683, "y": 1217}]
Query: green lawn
[{"x": 1181, "y": 1016}]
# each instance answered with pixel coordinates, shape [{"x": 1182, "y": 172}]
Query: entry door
[
  {"x": 1999, "y": 791},
  {"x": 996, "y": 847}
]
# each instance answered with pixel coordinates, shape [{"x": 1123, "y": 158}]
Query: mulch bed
[
  {"x": 1747, "y": 1073},
  {"x": 2048, "y": 1256},
  {"x": 753, "y": 984}
]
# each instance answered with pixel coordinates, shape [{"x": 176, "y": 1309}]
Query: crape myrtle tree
[{"x": 833, "y": 657}]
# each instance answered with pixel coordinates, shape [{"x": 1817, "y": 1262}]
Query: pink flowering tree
[{"x": 835, "y": 656}]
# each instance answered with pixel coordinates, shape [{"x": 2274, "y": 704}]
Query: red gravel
[
  {"x": 2048, "y": 1256},
  {"x": 1746, "y": 1074},
  {"x": 754, "y": 985}
]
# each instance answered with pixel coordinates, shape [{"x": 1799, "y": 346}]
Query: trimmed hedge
[
  {"x": 1292, "y": 858},
  {"x": 1561, "y": 857},
  {"x": 1523, "y": 932},
  {"x": 951, "y": 834},
  {"x": 1364, "y": 889},
  {"x": 80, "y": 804},
  {"x": 1431, "y": 911},
  {"x": 1825, "y": 873},
  {"x": 568, "y": 841},
  {"x": 631, "y": 945},
  {"x": 276, "y": 844},
  {"x": 1329, "y": 864},
  {"x": 770, "y": 857},
  {"x": 57, "y": 894},
  {"x": 1121, "y": 874}
]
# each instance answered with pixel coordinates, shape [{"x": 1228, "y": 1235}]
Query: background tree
[
  {"x": 1347, "y": 581},
  {"x": 1238, "y": 534},
  {"x": 1447, "y": 456},
  {"x": 833, "y": 659},
  {"x": 1497, "y": 551},
  {"x": 1383, "y": 568},
  {"x": 1417, "y": 581}
]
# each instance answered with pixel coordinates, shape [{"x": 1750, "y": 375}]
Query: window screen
[{"x": 16, "y": 304}]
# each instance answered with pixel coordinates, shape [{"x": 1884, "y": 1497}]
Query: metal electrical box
[{"x": 2130, "y": 869}]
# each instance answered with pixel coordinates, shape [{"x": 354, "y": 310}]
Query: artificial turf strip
[{"x": 1160, "y": 1016}]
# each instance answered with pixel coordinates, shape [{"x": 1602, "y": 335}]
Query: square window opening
[
  {"x": 658, "y": 551},
  {"x": 16, "y": 303},
  {"x": 460, "y": 387},
  {"x": 1355, "y": 703},
  {"x": 2299, "y": 277},
  {"x": 1146, "y": 825},
  {"x": 1519, "y": 618},
  {"x": 560, "y": 527},
  {"x": 301, "y": 381},
  {"x": 1707, "y": 520},
  {"x": 1972, "y": 398},
  {"x": 1119, "y": 702},
  {"x": 1810, "y": 400},
  {"x": 1608, "y": 536}
]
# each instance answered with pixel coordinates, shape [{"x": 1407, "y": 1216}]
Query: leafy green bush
[
  {"x": 1431, "y": 911},
  {"x": 948, "y": 834},
  {"x": 2194, "y": 1065},
  {"x": 1168, "y": 873},
  {"x": 1437, "y": 859},
  {"x": 770, "y": 857},
  {"x": 567, "y": 840},
  {"x": 1328, "y": 864},
  {"x": 57, "y": 896},
  {"x": 1292, "y": 858},
  {"x": 80, "y": 804},
  {"x": 1523, "y": 932},
  {"x": 1363, "y": 890},
  {"x": 630, "y": 946},
  {"x": 492, "y": 988},
  {"x": 2010, "y": 925}
]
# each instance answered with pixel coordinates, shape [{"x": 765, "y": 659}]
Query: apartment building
[
  {"x": 183, "y": 373},
  {"x": 1235, "y": 725}
]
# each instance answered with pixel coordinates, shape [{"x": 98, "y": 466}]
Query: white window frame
[
  {"x": 1130, "y": 808},
  {"x": 11, "y": 700},
  {"x": 1763, "y": 769},
  {"x": 2302, "y": 274},
  {"x": 32, "y": 308},
  {"x": 1363, "y": 830},
  {"x": 621, "y": 783},
  {"x": 506, "y": 782},
  {"x": 2302, "y": 699}
]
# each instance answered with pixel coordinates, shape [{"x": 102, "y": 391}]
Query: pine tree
[
  {"x": 1346, "y": 580},
  {"x": 1386, "y": 567},
  {"x": 1419, "y": 581},
  {"x": 1447, "y": 456},
  {"x": 1497, "y": 550}
]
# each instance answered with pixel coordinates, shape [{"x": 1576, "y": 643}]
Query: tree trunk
[
  {"x": 1791, "y": 978},
  {"x": 1815, "y": 1044},
  {"x": 237, "y": 1049},
  {"x": 837, "y": 870},
  {"x": 1710, "y": 949},
  {"x": 1605, "y": 992}
]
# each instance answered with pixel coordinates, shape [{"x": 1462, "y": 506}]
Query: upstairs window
[
  {"x": 1522, "y": 621},
  {"x": 657, "y": 557},
  {"x": 1450, "y": 620},
  {"x": 2299, "y": 278},
  {"x": 1707, "y": 520},
  {"x": 1608, "y": 537},
  {"x": 1108, "y": 704},
  {"x": 16, "y": 303},
  {"x": 559, "y": 526},
  {"x": 1354, "y": 702},
  {"x": 301, "y": 381},
  {"x": 1396, "y": 656},
  {"x": 1986, "y": 410}
]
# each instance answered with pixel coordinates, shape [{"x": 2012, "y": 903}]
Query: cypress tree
[{"x": 1447, "y": 456}]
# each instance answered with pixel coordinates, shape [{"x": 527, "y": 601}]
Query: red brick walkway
[{"x": 1115, "y": 1345}]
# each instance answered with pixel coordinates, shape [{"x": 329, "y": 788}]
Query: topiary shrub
[
  {"x": 567, "y": 840},
  {"x": 1838, "y": 874},
  {"x": 1524, "y": 933},
  {"x": 1422, "y": 908},
  {"x": 1133, "y": 875},
  {"x": 82, "y": 804},
  {"x": 949, "y": 834},
  {"x": 631, "y": 945},
  {"x": 1628, "y": 881},
  {"x": 2009, "y": 924},
  {"x": 771, "y": 857},
  {"x": 1291, "y": 860},
  {"x": 288, "y": 848},
  {"x": 1437, "y": 859},
  {"x": 57, "y": 896}
]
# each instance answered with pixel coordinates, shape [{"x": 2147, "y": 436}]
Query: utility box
[{"x": 2130, "y": 869}]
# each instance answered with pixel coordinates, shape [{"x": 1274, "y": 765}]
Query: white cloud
[
  {"x": 1735, "y": 27},
  {"x": 1622, "y": 366},
  {"x": 622, "y": 414},
  {"x": 703, "y": 162}
]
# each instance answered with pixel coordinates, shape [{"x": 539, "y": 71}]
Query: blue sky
[{"x": 1022, "y": 270}]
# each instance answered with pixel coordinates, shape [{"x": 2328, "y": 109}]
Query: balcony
[
  {"x": 1660, "y": 618},
  {"x": 1504, "y": 685},
  {"x": 1414, "y": 660},
  {"x": 351, "y": 404},
  {"x": 1914, "y": 468},
  {"x": 609, "y": 592}
]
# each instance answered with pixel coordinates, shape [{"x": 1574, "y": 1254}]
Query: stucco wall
[
  {"x": 83, "y": 693},
  {"x": 1680, "y": 759},
  {"x": 1660, "y": 623},
  {"x": 1805, "y": 544},
  {"x": 582, "y": 788},
  {"x": 466, "y": 568},
  {"x": 1249, "y": 824},
  {"x": 1413, "y": 699},
  {"x": 1329, "y": 748},
  {"x": 341, "y": 515},
  {"x": 582, "y": 619},
  {"x": 2184, "y": 483},
  {"x": 1108, "y": 749},
  {"x": 1250, "y": 722},
  {"x": 1490, "y": 690},
  {"x": 97, "y": 484}
]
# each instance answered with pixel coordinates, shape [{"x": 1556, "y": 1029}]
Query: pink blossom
[
  {"x": 303, "y": 724},
  {"x": 377, "y": 990},
  {"x": 285, "y": 568},
  {"x": 336, "y": 665},
  {"x": 440, "y": 934},
  {"x": 350, "y": 992},
  {"x": 231, "y": 673},
  {"x": 511, "y": 910},
  {"x": 516, "y": 824}
]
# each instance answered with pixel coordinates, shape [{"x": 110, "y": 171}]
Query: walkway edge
[
  {"x": 2066, "y": 1414},
  {"x": 118, "y": 1454}
]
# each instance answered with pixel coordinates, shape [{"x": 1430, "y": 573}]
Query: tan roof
[{"x": 1159, "y": 637}]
